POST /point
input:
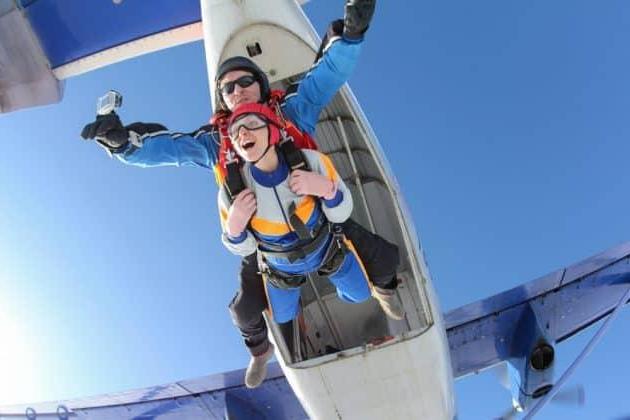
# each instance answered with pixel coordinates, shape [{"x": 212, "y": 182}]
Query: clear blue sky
[{"x": 506, "y": 124}]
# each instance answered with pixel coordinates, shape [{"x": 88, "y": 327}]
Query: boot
[
  {"x": 389, "y": 302},
  {"x": 257, "y": 369}
]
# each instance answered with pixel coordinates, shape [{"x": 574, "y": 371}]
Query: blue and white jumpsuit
[
  {"x": 302, "y": 105},
  {"x": 270, "y": 228}
]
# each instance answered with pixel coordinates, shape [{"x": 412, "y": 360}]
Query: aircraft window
[{"x": 254, "y": 49}]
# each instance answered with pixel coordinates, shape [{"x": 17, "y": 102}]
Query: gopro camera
[{"x": 108, "y": 103}]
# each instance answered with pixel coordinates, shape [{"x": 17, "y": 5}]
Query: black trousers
[{"x": 380, "y": 258}]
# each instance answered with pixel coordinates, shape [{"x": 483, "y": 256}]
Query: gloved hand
[
  {"x": 357, "y": 17},
  {"x": 241, "y": 211},
  {"x": 108, "y": 131},
  {"x": 335, "y": 29},
  {"x": 311, "y": 183}
]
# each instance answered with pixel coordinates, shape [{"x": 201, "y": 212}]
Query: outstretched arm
[
  {"x": 150, "y": 144},
  {"x": 166, "y": 148},
  {"x": 334, "y": 63}
]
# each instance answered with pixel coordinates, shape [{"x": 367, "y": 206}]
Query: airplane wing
[
  {"x": 220, "y": 396},
  {"x": 565, "y": 302},
  {"x": 43, "y": 42},
  {"x": 79, "y": 36}
]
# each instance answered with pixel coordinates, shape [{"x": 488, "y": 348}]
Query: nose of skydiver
[
  {"x": 239, "y": 95},
  {"x": 244, "y": 135},
  {"x": 238, "y": 90}
]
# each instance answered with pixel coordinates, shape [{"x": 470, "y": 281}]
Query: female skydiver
[{"x": 289, "y": 216}]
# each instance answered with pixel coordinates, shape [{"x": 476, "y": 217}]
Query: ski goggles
[
  {"x": 249, "y": 121},
  {"x": 243, "y": 81}
]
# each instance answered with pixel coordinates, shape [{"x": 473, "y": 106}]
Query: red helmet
[{"x": 264, "y": 112}]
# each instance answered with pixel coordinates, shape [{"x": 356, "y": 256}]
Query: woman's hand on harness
[
  {"x": 241, "y": 211},
  {"x": 311, "y": 183}
]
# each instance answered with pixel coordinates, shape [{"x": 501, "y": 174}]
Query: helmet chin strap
[{"x": 266, "y": 149}]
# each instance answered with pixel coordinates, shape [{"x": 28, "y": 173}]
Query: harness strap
[
  {"x": 234, "y": 183},
  {"x": 292, "y": 155},
  {"x": 297, "y": 225},
  {"x": 333, "y": 258},
  {"x": 279, "y": 279},
  {"x": 302, "y": 248},
  {"x": 335, "y": 253}
]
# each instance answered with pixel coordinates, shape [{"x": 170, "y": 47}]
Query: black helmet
[{"x": 241, "y": 63}]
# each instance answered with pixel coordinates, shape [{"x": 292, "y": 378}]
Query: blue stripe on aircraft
[{"x": 73, "y": 29}]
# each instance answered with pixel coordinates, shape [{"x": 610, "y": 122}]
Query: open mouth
[{"x": 247, "y": 144}]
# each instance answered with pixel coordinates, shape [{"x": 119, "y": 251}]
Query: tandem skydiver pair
[{"x": 306, "y": 227}]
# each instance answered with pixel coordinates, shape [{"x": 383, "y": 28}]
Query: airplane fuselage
[{"x": 407, "y": 373}]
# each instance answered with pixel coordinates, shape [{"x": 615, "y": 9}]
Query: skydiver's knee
[
  {"x": 285, "y": 303},
  {"x": 378, "y": 255},
  {"x": 350, "y": 280},
  {"x": 243, "y": 314},
  {"x": 234, "y": 305}
]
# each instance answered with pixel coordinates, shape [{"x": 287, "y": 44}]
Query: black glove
[
  {"x": 335, "y": 29},
  {"x": 108, "y": 131},
  {"x": 357, "y": 17}
]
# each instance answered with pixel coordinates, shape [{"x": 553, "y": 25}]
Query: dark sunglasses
[{"x": 243, "y": 81}]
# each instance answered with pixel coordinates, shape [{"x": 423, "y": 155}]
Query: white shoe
[
  {"x": 257, "y": 369},
  {"x": 389, "y": 302}
]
